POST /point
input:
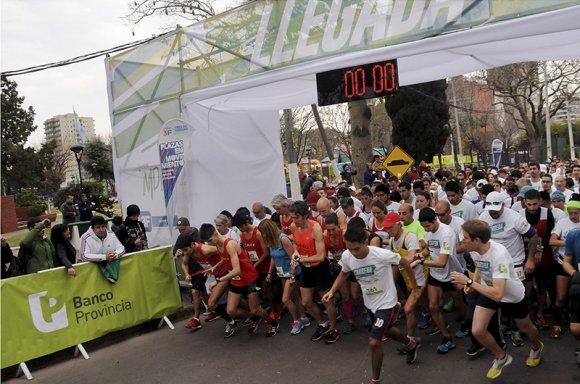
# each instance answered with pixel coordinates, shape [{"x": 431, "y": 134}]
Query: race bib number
[
  {"x": 334, "y": 256},
  {"x": 253, "y": 256},
  {"x": 205, "y": 266},
  {"x": 281, "y": 273},
  {"x": 371, "y": 290},
  {"x": 520, "y": 273}
]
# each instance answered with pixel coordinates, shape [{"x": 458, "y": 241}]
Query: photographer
[{"x": 36, "y": 249}]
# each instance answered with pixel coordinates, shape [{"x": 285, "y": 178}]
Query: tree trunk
[
  {"x": 360, "y": 118},
  {"x": 324, "y": 137}
]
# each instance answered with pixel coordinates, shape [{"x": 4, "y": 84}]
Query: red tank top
[
  {"x": 335, "y": 250},
  {"x": 255, "y": 251},
  {"x": 286, "y": 224},
  {"x": 247, "y": 274},
  {"x": 208, "y": 261},
  {"x": 320, "y": 221},
  {"x": 378, "y": 230},
  {"x": 305, "y": 243},
  {"x": 541, "y": 228}
]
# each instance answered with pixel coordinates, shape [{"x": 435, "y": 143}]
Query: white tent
[{"x": 232, "y": 102}]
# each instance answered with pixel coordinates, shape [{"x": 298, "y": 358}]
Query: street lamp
[{"x": 78, "y": 149}]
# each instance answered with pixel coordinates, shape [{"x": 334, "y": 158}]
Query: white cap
[
  {"x": 481, "y": 183},
  {"x": 352, "y": 188},
  {"x": 494, "y": 201}
]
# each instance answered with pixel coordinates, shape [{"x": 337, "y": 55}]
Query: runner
[
  {"x": 376, "y": 222},
  {"x": 499, "y": 287},
  {"x": 281, "y": 249},
  {"x": 281, "y": 203},
  {"x": 372, "y": 267},
  {"x": 571, "y": 266},
  {"x": 459, "y": 206},
  {"x": 382, "y": 192},
  {"x": 309, "y": 251},
  {"x": 242, "y": 278}
]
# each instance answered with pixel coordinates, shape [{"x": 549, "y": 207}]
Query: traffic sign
[{"x": 398, "y": 162}]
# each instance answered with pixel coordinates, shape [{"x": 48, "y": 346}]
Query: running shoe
[
  {"x": 517, "y": 340},
  {"x": 449, "y": 306},
  {"x": 424, "y": 321},
  {"x": 272, "y": 329},
  {"x": 446, "y": 345},
  {"x": 498, "y": 365},
  {"x": 462, "y": 333},
  {"x": 436, "y": 331},
  {"x": 474, "y": 350},
  {"x": 348, "y": 328},
  {"x": 230, "y": 329},
  {"x": 193, "y": 324},
  {"x": 542, "y": 322},
  {"x": 556, "y": 332},
  {"x": 305, "y": 322},
  {"x": 578, "y": 357},
  {"x": 320, "y": 332},
  {"x": 375, "y": 382},
  {"x": 412, "y": 352},
  {"x": 332, "y": 336},
  {"x": 296, "y": 327},
  {"x": 535, "y": 357},
  {"x": 275, "y": 316},
  {"x": 253, "y": 326},
  {"x": 211, "y": 317}
]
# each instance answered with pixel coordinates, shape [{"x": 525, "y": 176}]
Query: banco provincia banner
[{"x": 48, "y": 311}]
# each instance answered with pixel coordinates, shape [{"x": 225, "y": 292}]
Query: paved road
[{"x": 179, "y": 356}]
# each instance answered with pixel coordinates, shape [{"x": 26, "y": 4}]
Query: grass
[{"x": 15, "y": 238}]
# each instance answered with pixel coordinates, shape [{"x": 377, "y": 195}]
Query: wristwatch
[{"x": 469, "y": 282}]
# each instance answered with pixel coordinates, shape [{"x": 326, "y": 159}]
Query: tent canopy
[{"x": 228, "y": 77}]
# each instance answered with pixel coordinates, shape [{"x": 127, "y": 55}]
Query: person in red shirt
[
  {"x": 242, "y": 278},
  {"x": 310, "y": 252},
  {"x": 281, "y": 204}
]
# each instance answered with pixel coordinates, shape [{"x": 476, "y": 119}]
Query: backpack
[{"x": 21, "y": 264}]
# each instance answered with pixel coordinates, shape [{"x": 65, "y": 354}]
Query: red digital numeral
[
  {"x": 383, "y": 78},
  {"x": 354, "y": 83}
]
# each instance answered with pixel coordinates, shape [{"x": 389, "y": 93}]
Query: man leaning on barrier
[{"x": 101, "y": 246}]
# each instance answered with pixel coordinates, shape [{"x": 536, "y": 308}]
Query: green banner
[{"x": 49, "y": 311}]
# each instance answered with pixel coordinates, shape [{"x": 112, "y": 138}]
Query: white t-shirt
[
  {"x": 479, "y": 208},
  {"x": 562, "y": 228},
  {"x": 537, "y": 185},
  {"x": 393, "y": 207},
  {"x": 508, "y": 231},
  {"x": 456, "y": 224},
  {"x": 375, "y": 275},
  {"x": 471, "y": 195},
  {"x": 558, "y": 214},
  {"x": 497, "y": 263},
  {"x": 464, "y": 210},
  {"x": 411, "y": 243},
  {"x": 443, "y": 242}
]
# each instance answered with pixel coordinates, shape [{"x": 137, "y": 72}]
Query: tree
[
  {"x": 97, "y": 161},
  {"x": 360, "y": 122},
  {"x": 521, "y": 89},
  {"x": 420, "y": 116},
  {"x": 190, "y": 10},
  {"x": 17, "y": 124}
]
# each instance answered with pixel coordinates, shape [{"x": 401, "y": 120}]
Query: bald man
[
  {"x": 324, "y": 210},
  {"x": 259, "y": 212}
]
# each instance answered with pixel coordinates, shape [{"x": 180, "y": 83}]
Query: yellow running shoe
[
  {"x": 498, "y": 365},
  {"x": 535, "y": 357}
]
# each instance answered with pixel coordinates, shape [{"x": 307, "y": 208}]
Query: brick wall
[{"x": 8, "y": 214}]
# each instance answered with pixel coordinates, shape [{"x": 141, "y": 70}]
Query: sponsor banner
[
  {"x": 49, "y": 311},
  {"x": 496, "y": 149}
]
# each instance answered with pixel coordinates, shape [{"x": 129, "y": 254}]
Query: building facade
[{"x": 62, "y": 130}]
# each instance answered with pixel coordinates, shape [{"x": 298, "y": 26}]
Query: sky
[{"x": 35, "y": 32}]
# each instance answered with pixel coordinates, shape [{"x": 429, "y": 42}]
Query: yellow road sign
[{"x": 398, "y": 162}]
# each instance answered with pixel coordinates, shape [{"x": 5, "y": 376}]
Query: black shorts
[
  {"x": 511, "y": 310},
  {"x": 446, "y": 286},
  {"x": 261, "y": 279},
  {"x": 336, "y": 269},
  {"x": 560, "y": 271},
  {"x": 245, "y": 290},
  {"x": 381, "y": 319},
  {"x": 317, "y": 277},
  {"x": 198, "y": 282},
  {"x": 546, "y": 275}
]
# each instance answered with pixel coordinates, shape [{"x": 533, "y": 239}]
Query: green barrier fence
[{"x": 49, "y": 311}]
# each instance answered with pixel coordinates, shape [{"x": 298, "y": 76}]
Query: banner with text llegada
[{"x": 49, "y": 311}]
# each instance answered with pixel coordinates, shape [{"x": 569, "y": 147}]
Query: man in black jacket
[{"x": 132, "y": 232}]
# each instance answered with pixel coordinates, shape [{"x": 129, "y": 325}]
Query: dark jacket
[
  {"x": 129, "y": 232},
  {"x": 69, "y": 213},
  {"x": 66, "y": 255},
  {"x": 85, "y": 210}
]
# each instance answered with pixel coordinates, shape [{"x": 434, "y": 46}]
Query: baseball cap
[
  {"x": 524, "y": 190},
  {"x": 481, "y": 183},
  {"x": 558, "y": 195},
  {"x": 494, "y": 201},
  {"x": 352, "y": 188},
  {"x": 182, "y": 222},
  {"x": 390, "y": 219}
]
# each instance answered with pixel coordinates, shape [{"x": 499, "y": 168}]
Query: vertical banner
[
  {"x": 173, "y": 143},
  {"x": 49, "y": 311},
  {"x": 496, "y": 150}
]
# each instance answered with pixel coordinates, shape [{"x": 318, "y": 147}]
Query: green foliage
[
  {"x": 95, "y": 191},
  {"x": 37, "y": 209},
  {"x": 97, "y": 161},
  {"x": 26, "y": 198},
  {"x": 420, "y": 116},
  {"x": 17, "y": 122}
]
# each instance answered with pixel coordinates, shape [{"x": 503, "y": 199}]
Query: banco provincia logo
[{"x": 58, "y": 319}]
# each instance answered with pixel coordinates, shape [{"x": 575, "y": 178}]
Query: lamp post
[{"x": 78, "y": 149}]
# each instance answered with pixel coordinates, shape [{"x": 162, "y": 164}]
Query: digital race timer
[{"x": 357, "y": 83}]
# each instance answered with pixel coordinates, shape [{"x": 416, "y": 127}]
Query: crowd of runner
[{"x": 500, "y": 247}]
